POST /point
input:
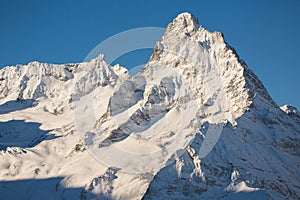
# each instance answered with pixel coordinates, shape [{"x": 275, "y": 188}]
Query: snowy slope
[{"x": 194, "y": 123}]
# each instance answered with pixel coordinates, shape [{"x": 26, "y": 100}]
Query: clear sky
[{"x": 264, "y": 33}]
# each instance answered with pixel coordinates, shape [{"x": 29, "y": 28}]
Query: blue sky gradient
[{"x": 264, "y": 33}]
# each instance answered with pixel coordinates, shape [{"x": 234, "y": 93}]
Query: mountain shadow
[
  {"x": 14, "y": 105},
  {"x": 46, "y": 189},
  {"x": 18, "y": 133}
]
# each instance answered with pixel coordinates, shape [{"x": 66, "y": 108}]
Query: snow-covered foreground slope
[{"x": 194, "y": 123}]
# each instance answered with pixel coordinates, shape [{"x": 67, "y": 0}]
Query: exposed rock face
[
  {"x": 290, "y": 110},
  {"x": 194, "y": 123}
]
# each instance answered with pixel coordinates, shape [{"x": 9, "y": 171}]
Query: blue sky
[{"x": 264, "y": 33}]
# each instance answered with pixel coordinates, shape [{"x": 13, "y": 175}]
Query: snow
[
  {"x": 290, "y": 110},
  {"x": 194, "y": 123}
]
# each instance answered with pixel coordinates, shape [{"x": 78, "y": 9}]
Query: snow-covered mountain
[{"x": 194, "y": 123}]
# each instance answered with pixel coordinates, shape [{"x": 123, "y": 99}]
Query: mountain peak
[
  {"x": 185, "y": 21},
  {"x": 187, "y": 16},
  {"x": 200, "y": 48}
]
